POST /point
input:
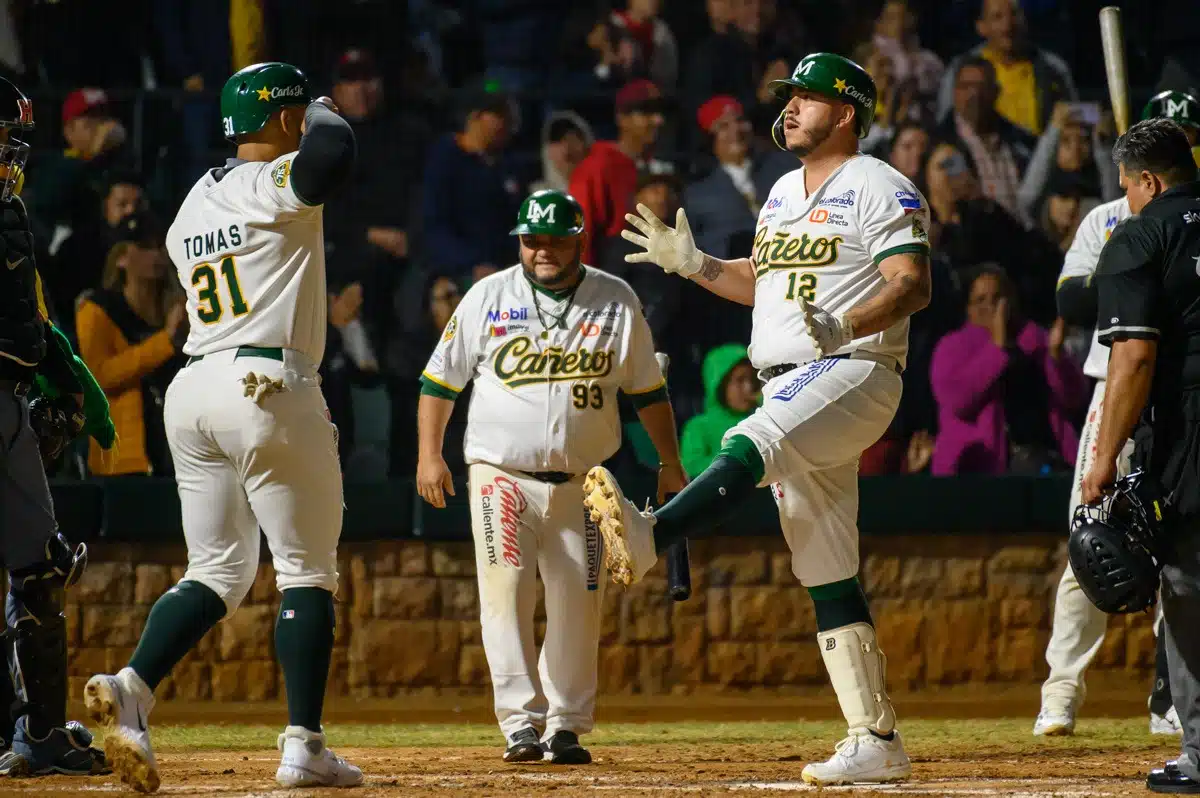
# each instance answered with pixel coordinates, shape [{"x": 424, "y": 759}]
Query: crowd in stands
[{"x": 462, "y": 107}]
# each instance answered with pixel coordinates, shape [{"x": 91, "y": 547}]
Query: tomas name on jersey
[{"x": 826, "y": 248}]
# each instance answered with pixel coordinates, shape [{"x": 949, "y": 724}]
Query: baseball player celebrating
[
  {"x": 549, "y": 343},
  {"x": 246, "y": 421},
  {"x": 840, "y": 261},
  {"x": 1078, "y": 628}
]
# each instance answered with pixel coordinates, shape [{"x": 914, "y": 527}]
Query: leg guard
[
  {"x": 36, "y": 636},
  {"x": 856, "y": 670}
]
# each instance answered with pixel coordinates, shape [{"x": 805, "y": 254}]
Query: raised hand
[{"x": 671, "y": 250}]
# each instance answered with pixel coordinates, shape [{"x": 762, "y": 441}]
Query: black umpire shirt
[{"x": 1148, "y": 287}]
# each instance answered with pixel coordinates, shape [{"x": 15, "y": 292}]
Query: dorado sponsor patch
[{"x": 843, "y": 200}]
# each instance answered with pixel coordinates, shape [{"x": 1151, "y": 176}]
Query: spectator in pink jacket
[{"x": 1006, "y": 392}]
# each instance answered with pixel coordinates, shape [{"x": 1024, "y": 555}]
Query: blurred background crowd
[{"x": 995, "y": 109}]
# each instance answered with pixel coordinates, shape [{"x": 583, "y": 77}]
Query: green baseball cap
[
  {"x": 254, "y": 93},
  {"x": 834, "y": 76},
  {"x": 550, "y": 213},
  {"x": 1179, "y": 107}
]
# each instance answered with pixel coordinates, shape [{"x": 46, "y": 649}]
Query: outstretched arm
[{"x": 675, "y": 251}]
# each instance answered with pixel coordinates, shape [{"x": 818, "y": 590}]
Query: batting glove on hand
[
  {"x": 672, "y": 250},
  {"x": 829, "y": 332}
]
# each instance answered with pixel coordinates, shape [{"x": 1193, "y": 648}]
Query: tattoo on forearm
[{"x": 712, "y": 268}]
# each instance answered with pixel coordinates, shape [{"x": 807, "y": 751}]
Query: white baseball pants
[
  {"x": 1078, "y": 628},
  {"x": 521, "y": 526},
  {"x": 814, "y": 423},
  {"x": 241, "y": 465}
]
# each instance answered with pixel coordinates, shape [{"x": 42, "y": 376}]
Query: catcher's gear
[
  {"x": 252, "y": 94},
  {"x": 829, "y": 332},
  {"x": 832, "y": 76},
  {"x": 1178, "y": 106},
  {"x": 549, "y": 213},
  {"x": 1116, "y": 546},
  {"x": 16, "y": 113},
  {"x": 672, "y": 250},
  {"x": 55, "y": 422}
]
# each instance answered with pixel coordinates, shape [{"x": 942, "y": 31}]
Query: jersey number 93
[
  {"x": 585, "y": 396},
  {"x": 209, "y": 308}
]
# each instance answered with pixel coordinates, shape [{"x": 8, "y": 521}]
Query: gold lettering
[
  {"x": 793, "y": 248},
  {"x": 516, "y": 363}
]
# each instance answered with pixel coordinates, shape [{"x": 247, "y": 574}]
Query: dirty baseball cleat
[
  {"x": 859, "y": 759},
  {"x": 121, "y": 705},
  {"x": 1056, "y": 719},
  {"x": 563, "y": 748},
  {"x": 524, "y": 746},
  {"x": 628, "y": 533},
  {"x": 306, "y": 762}
]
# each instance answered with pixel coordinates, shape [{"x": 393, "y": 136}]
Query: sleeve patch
[
  {"x": 451, "y": 329},
  {"x": 281, "y": 173}
]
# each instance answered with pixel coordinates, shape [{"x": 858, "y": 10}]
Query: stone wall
[{"x": 950, "y": 610}]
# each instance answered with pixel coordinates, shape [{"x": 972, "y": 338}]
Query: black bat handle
[{"x": 679, "y": 569}]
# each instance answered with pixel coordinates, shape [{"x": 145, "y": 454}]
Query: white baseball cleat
[
  {"x": 306, "y": 762},
  {"x": 861, "y": 758},
  {"x": 121, "y": 705},
  {"x": 1056, "y": 719},
  {"x": 1165, "y": 724},
  {"x": 628, "y": 532}
]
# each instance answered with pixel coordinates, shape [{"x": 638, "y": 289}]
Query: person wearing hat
[
  {"x": 548, "y": 344},
  {"x": 131, "y": 332},
  {"x": 1181, "y": 108},
  {"x": 606, "y": 178},
  {"x": 470, "y": 190},
  {"x": 839, "y": 263},
  {"x": 725, "y": 202}
]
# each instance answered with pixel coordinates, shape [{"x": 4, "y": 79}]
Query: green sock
[
  {"x": 304, "y": 646},
  {"x": 840, "y": 604},
  {"x": 177, "y": 621},
  {"x": 700, "y": 507}
]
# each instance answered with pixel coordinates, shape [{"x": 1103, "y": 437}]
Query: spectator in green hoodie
[{"x": 731, "y": 392}]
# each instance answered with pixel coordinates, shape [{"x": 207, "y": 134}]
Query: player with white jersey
[
  {"x": 1078, "y": 628},
  {"x": 549, "y": 343},
  {"x": 247, "y": 424},
  {"x": 840, "y": 261}
]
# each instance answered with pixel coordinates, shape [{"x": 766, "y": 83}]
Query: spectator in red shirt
[{"x": 605, "y": 180}]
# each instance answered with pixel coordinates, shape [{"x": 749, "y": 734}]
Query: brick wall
[{"x": 950, "y": 610}]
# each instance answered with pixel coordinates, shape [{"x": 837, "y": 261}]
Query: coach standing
[{"x": 1148, "y": 284}]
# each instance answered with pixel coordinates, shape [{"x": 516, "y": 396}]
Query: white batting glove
[
  {"x": 672, "y": 250},
  {"x": 829, "y": 332}
]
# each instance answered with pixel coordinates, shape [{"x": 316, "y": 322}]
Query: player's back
[{"x": 250, "y": 256}]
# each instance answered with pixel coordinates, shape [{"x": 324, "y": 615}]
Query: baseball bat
[
  {"x": 1112, "y": 38},
  {"x": 679, "y": 568}
]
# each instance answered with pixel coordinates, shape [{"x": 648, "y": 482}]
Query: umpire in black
[{"x": 1148, "y": 294}]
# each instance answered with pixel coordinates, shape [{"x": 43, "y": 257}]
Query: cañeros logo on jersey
[
  {"x": 786, "y": 251},
  {"x": 512, "y": 314},
  {"x": 504, "y": 497},
  {"x": 517, "y": 362},
  {"x": 843, "y": 200}
]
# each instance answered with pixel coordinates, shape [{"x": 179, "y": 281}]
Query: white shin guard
[{"x": 857, "y": 669}]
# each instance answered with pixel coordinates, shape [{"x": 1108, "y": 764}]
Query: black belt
[
  {"x": 551, "y": 477},
  {"x": 15, "y": 388},
  {"x": 783, "y": 368},
  {"x": 269, "y": 352}
]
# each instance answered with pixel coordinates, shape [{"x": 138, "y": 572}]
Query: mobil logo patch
[
  {"x": 512, "y": 314},
  {"x": 775, "y": 203}
]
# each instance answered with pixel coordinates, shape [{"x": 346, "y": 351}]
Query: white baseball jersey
[
  {"x": 251, "y": 257},
  {"x": 545, "y": 402},
  {"x": 827, "y": 248},
  {"x": 1081, "y": 260}
]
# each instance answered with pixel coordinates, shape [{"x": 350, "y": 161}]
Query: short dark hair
[
  {"x": 979, "y": 62},
  {"x": 1158, "y": 146}
]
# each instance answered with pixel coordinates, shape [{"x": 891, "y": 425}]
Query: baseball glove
[{"x": 55, "y": 422}]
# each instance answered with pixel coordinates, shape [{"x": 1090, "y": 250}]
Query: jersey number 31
[{"x": 208, "y": 299}]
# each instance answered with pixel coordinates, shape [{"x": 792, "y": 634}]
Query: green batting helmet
[
  {"x": 254, "y": 93},
  {"x": 1181, "y": 108},
  {"x": 549, "y": 213},
  {"x": 834, "y": 76}
]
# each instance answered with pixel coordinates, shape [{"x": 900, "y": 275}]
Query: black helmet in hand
[{"x": 16, "y": 113}]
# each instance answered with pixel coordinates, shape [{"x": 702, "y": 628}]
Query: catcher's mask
[
  {"x": 1116, "y": 546},
  {"x": 16, "y": 113}
]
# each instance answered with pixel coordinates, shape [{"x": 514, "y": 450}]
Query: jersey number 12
[
  {"x": 802, "y": 285},
  {"x": 208, "y": 299}
]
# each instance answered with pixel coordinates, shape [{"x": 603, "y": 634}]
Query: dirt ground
[{"x": 757, "y": 745}]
